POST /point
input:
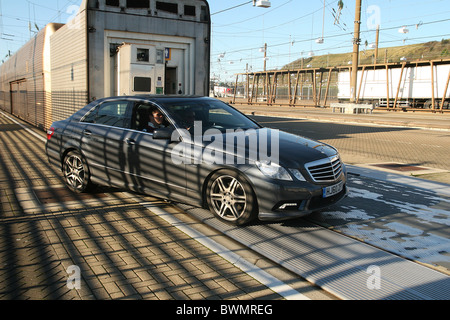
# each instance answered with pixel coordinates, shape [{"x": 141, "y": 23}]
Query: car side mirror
[{"x": 163, "y": 133}]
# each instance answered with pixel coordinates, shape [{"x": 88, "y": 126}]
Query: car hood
[
  {"x": 287, "y": 149},
  {"x": 297, "y": 150}
]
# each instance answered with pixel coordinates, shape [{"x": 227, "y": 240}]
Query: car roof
[{"x": 155, "y": 97}]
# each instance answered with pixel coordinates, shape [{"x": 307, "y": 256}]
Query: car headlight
[
  {"x": 297, "y": 174},
  {"x": 273, "y": 170}
]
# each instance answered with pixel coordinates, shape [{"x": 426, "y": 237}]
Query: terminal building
[{"x": 109, "y": 48}]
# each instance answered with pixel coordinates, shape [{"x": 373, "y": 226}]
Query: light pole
[{"x": 355, "y": 60}]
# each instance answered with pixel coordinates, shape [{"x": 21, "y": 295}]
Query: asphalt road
[
  {"x": 368, "y": 143},
  {"x": 417, "y": 152}
]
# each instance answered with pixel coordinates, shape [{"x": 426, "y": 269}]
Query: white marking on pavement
[{"x": 25, "y": 127}]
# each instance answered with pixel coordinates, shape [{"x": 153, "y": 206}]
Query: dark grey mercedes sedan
[{"x": 196, "y": 150}]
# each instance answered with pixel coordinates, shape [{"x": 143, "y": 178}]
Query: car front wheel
[
  {"x": 76, "y": 172},
  {"x": 231, "y": 198}
]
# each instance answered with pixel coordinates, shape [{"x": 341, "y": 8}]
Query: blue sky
[{"x": 289, "y": 27}]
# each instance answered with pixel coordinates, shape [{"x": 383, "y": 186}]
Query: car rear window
[{"x": 111, "y": 113}]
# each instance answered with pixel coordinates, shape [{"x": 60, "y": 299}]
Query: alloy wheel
[
  {"x": 228, "y": 198},
  {"x": 75, "y": 172}
]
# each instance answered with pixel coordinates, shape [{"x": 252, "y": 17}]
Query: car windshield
[{"x": 204, "y": 114}]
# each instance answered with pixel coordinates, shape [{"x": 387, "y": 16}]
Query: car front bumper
[{"x": 283, "y": 200}]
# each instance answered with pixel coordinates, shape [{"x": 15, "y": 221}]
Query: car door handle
[
  {"x": 130, "y": 142},
  {"x": 87, "y": 132}
]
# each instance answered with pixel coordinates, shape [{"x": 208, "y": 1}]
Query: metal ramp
[{"x": 335, "y": 262}]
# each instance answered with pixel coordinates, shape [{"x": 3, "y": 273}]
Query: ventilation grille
[{"x": 324, "y": 170}]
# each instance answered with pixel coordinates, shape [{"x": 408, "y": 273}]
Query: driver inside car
[{"x": 156, "y": 121}]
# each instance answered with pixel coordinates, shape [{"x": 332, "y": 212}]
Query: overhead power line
[
  {"x": 346, "y": 34},
  {"x": 237, "y": 6}
]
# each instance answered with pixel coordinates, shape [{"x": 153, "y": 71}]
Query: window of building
[
  {"x": 138, "y": 4},
  {"x": 142, "y": 84},
  {"x": 204, "y": 14},
  {"x": 167, "y": 6},
  {"x": 113, "y": 3},
  {"x": 142, "y": 55},
  {"x": 189, "y": 10}
]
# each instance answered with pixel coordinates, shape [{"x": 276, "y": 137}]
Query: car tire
[
  {"x": 76, "y": 172},
  {"x": 231, "y": 198}
]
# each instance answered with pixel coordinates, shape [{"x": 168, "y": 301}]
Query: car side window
[
  {"x": 111, "y": 113},
  {"x": 143, "y": 117}
]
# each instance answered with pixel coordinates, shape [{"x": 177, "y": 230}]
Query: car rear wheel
[
  {"x": 76, "y": 172},
  {"x": 231, "y": 198}
]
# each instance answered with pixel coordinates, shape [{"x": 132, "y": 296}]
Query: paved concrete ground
[{"x": 121, "y": 249}]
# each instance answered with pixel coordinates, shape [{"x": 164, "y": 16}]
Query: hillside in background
[{"x": 433, "y": 50}]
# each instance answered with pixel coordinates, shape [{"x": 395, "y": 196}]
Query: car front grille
[{"x": 325, "y": 170}]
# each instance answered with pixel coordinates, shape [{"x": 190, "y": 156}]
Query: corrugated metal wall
[
  {"x": 22, "y": 90},
  {"x": 69, "y": 67},
  {"x": 22, "y": 85}
]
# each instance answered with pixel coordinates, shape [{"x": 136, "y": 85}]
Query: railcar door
[{"x": 19, "y": 99}]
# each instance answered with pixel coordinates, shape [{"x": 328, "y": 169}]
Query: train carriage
[
  {"x": 110, "y": 47},
  {"x": 415, "y": 85}
]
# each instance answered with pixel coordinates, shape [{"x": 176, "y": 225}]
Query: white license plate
[{"x": 332, "y": 190}]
